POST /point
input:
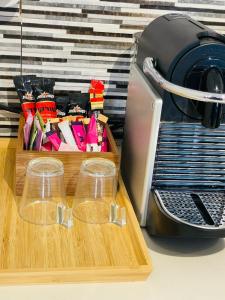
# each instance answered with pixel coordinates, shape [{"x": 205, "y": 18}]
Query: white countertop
[{"x": 182, "y": 270}]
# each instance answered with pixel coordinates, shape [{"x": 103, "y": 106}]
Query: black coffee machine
[{"x": 173, "y": 154}]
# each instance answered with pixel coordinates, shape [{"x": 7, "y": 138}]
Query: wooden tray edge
[
  {"x": 81, "y": 275},
  {"x": 135, "y": 224}
]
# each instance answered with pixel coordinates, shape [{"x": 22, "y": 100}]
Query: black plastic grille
[
  {"x": 190, "y": 156},
  {"x": 182, "y": 206},
  {"x": 189, "y": 173}
]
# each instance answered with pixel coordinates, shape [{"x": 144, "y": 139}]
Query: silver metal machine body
[
  {"x": 142, "y": 122},
  {"x": 173, "y": 152},
  {"x": 140, "y": 144}
]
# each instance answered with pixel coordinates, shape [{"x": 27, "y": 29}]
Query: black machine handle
[
  {"x": 212, "y": 81},
  {"x": 205, "y": 97}
]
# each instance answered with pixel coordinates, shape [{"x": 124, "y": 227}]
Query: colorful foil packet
[
  {"x": 96, "y": 92},
  {"x": 104, "y": 144},
  {"x": 67, "y": 123},
  {"x": 62, "y": 106},
  {"x": 45, "y": 99},
  {"x": 67, "y": 134},
  {"x": 27, "y": 129},
  {"x": 79, "y": 135},
  {"x": 78, "y": 105},
  {"x": 54, "y": 139},
  {"x": 92, "y": 136},
  {"x": 23, "y": 85}
]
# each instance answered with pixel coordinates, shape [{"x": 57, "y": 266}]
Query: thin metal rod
[
  {"x": 149, "y": 69},
  {"x": 21, "y": 35},
  {"x": 20, "y": 7}
]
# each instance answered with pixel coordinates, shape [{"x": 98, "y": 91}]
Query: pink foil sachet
[
  {"x": 46, "y": 147},
  {"x": 92, "y": 135},
  {"x": 54, "y": 139},
  {"x": 79, "y": 135}
]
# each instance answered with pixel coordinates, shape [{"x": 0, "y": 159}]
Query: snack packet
[
  {"x": 46, "y": 146},
  {"x": 101, "y": 122},
  {"x": 41, "y": 122},
  {"x": 92, "y": 136},
  {"x": 27, "y": 129},
  {"x": 23, "y": 85},
  {"x": 104, "y": 145},
  {"x": 78, "y": 105},
  {"x": 79, "y": 135},
  {"x": 54, "y": 139},
  {"x": 40, "y": 134},
  {"x": 33, "y": 136},
  {"x": 67, "y": 134},
  {"x": 43, "y": 93},
  {"x": 65, "y": 147},
  {"x": 62, "y": 106},
  {"x": 38, "y": 141},
  {"x": 96, "y": 92}
]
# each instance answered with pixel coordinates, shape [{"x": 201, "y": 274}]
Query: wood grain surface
[
  {"x": 52, "y": 254},
  {"x": 71, "y": 160}
]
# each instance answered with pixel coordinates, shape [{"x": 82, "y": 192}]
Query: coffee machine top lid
[
  {"x": 184, "y": 52},
  {"x": 170, "y": 37}
]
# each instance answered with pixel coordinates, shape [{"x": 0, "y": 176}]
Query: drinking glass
[
  {"x": 96, "y": 191},
  {"x": 43, "y": 201}
]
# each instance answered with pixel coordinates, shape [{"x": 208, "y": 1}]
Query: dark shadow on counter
[{"x": 184, "y": 247}]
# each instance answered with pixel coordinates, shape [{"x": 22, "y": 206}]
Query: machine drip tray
[{"x": 201, "y": 209}]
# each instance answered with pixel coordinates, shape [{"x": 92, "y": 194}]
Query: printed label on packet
[
  {"x": 28, "y": 107},
  {"x": 47, "y": 109}
]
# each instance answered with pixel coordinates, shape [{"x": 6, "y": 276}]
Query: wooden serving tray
[{"x": 53, "y": 254}]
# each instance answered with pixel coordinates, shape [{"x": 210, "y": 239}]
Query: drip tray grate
[{"x": 205, "y": 209}]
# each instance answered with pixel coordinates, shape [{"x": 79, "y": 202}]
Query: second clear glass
[{"x": 96, "y": 191}]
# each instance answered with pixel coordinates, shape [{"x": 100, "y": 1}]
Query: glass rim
[
  {"x": 59, "y": 169},
  {"x": 90, "y": 161}
]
